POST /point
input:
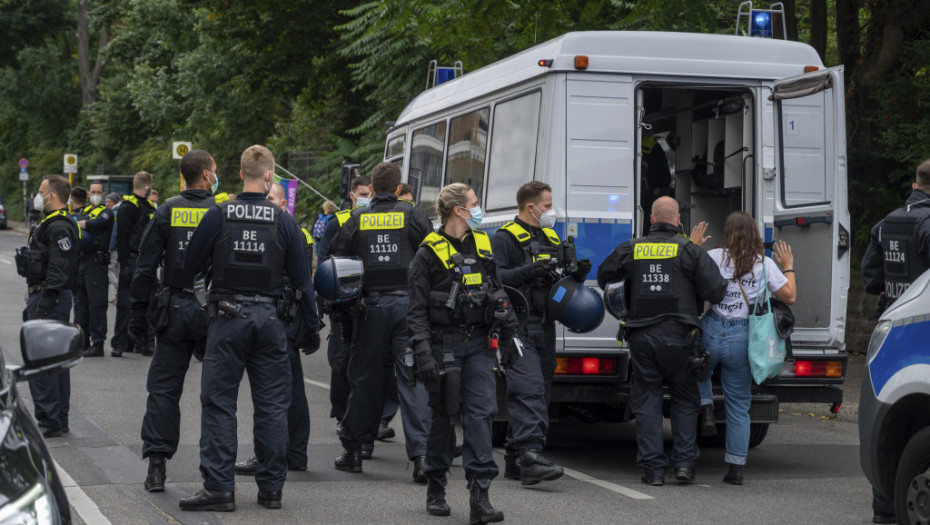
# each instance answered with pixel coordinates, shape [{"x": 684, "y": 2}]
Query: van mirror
[{"x": 48, "y": 347}]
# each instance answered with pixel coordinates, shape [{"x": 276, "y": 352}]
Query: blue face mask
[
  {"x": 216, "y": 182},
  {"x": 362, "y": 201},
  {"x": 476, "y": 216}
]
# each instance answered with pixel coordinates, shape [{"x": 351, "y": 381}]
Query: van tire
[
  {"x": 912, "y": 481},
  {"x": 757, "y": 433},
  {"x": 499, "y": 433}
]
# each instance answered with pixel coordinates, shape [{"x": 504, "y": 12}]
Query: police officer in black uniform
[
  {"x": 134, "y": 215},
  {"x": 50, "y": 264},
  {"x": 298, "y": 413},
  {"x": 251, "y": 246},
  {"x": 384, "y": 235},
  {"x": 527, "y": 253},
  {"x": 898, "y": 252},
  {"x": 181, "y": 322},
  {"x": 458, "y": 317},
  {"x": 90, "y": 291},
  {"x": 670, "y": 278}
]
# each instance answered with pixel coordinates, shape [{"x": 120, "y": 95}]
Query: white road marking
[
  {"x": 3, "y": 259},
  {"x": 316, "y": 383},
  {"x": 85, "y": 507}
]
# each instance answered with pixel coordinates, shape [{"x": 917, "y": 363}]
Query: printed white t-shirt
[{"x": 733, "y": 306}]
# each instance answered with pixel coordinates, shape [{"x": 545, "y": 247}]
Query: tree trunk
[
  {"x": 848, "y": 41},
  {"x": 89, "y": 77},
  {"x": 791, "y": 21},
  {"x": 818, "y": 38}
]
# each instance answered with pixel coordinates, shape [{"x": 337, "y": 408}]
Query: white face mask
[
  {"x": 547, "y": 219},
  {"x": 38, "y": 202},
  {"x": 96, "y": 199}
]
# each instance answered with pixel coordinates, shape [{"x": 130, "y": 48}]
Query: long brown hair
[{"x": 742, "y": 242}]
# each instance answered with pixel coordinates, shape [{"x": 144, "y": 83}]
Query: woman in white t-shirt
[{"x": 725, "y": 327}]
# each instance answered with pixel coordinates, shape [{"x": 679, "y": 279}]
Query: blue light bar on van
[
  {"x": 444, "y": 74},
  {"x": 761, "y": 24}
]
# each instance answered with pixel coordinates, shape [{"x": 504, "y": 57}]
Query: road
[{"x": 806, "y": 471}]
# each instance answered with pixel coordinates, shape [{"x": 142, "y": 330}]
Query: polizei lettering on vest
[
  {"x": 250, "y": 212},
  {"x": 655, "y": 250},
  {"x": 381, "y": 221}
]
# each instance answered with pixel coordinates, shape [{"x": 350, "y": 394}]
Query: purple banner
[{"x": 290, "y": 189}]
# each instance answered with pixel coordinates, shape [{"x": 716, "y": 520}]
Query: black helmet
[
  {"x": 339, "y": 279},
  {"x": 575, "y": 305},
  {"x": 616, "y": 300}
]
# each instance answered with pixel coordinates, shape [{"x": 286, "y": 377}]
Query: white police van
[
  {"x": 894, "y": 405},
  {"x": 611, "y": 120}
]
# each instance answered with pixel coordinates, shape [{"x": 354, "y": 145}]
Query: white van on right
[{"x": 894, "y": 406}]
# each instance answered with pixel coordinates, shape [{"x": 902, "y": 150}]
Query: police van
[
  {"x": 613, "y": 120},
  {"x": 894, "y": 405}
]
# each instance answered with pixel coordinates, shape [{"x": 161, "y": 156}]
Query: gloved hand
[
  {"x": 584, "y": 266},
  {"x": 427, "y": 369},
  {"x": 508, "y": 351},
  {"x": 138, "y": 324},
  {"x": 542, "y": 267},
  {"x": 310, "y": 342},
  {"x": 125, "y": 274}
]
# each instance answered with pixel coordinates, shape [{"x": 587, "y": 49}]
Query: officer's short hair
[
  {"x": 361, "y": 180},
  {"x": 256, "y": 161},
  {"x": 59, "y": 186},
  {"x": 78, "y": 195},
  {"x": 405, "y": 189},
  {"x": 141, "y": 180},
  {"x": 385, "y": 178},
  {"x": 531, "y": 193},
  {"x": 193, "y": 164},
  {"x": 923, "y": 176}
]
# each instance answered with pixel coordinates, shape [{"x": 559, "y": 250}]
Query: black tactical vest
[
  {"x": 37, "y": 258},
  {"x": 137, "y": 229},
  {"x": 903, "y": 262},
  {"x": 475, "y": 281},
  {"x": 536, "y": 291},
  {"x": 101, "y": 237},
  {"x": 247, "y": 256},
  {"x": 383, "y": 245},
  {"x": 184, "y": 215},
  {"x": 658, "y": 284}
]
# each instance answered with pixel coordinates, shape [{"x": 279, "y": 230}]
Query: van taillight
[
  {"x": 585, "y": 366},
  {"x": 805, "y": 368}
]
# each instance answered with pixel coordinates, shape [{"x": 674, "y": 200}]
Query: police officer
[
  {"x": 251, "y": 246},
  {"x": 458, "y": 314},
  {"x": 526, "y": 250},
  {"x": 337, "y": 350},
  {"x": 181, "y": 321},
  {"x": 898, "y": 252},
  {"x": 135, "y": 211},
  {"x": 298, "y": 413},
  {"x": 670, "y": 277},
  {"x": 50, "y": 264},
  {"x": 92, "y": 286},
  {"x": 384, "y": 235}
]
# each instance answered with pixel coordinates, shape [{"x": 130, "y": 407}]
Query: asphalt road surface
[{"x": 806, "y": 471}]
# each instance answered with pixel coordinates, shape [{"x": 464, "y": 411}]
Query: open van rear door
[{"x": 811, "y": 212}]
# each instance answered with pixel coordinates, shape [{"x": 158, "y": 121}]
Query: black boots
[
  {"x": 94, "y": 351},
  {"x": 155, "y": 480},
  {"x": 480, "y": 507},
  {"x": 436, "y": 497},
  {"x": 535, "y": 468},
  {"x": 210, "y": 500},
  {"x": 684, "y": 475},
  {"x": 350, "y": 461},
  {"x": 247, "y": 467},
  {"x": 418, "y": 475},
  {"x": 269, "y": 500},
  {"x": 512, "y": 464},
  {"x": 708, "y": 425},
  {"x": 734, "y": 474}
]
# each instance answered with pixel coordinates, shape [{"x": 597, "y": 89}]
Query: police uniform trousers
[
  {"x": 51, "y": 395},
  {"x": 90, "y": 300},
  {"x": 185, "y": 331},
  {"x": 658, "y": 356},
  {"x": 529, "y": 382},
  {"x": 254, "y": 341},
  {"x": 382, "y": 335},
  {"x": 298, "y": 412},
  {"x": 337, "y": 353},
  {"x": 479, "y": 406},
  {"x": 120, "y": 339}
]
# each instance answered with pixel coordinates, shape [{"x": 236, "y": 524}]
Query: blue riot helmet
[
  {"x": 575, "y": 305},
  {"x": 616, "y": 299},
  {"x": 86, "y": 241},
  {"x": 339, "y": 279}
]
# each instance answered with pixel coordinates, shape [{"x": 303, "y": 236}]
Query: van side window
[
  {"x": 395, "y": 146},
  {"x": 426, "y": 148},
  {"x": 805, "y": 149},
  {"x": 468, "y": 145},
  {"x": 513, "y": 149}
]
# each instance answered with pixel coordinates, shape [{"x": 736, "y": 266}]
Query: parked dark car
[
  {"x": 2, "y": 217},
  {"x": 30, "y": 488}
]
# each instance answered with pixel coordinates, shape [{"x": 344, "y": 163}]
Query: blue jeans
[{"x": 727, "y": 342}]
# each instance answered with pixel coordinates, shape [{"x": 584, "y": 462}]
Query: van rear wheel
[{"x": 912, "y": 481}]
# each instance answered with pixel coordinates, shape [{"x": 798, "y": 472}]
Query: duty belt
[
  {"x": 237, "y": 298},
  {"x": 375, "y": 295},
  {"x": 34, "y": 288},
  {"x": 459, "y": 336}
]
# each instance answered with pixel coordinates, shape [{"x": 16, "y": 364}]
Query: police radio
[{"x": 349, "y": 171}]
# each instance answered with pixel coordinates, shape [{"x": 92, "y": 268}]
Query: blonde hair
[
  {"x": 256, "y": 161},
  {"x": 453, "y": 195}
]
